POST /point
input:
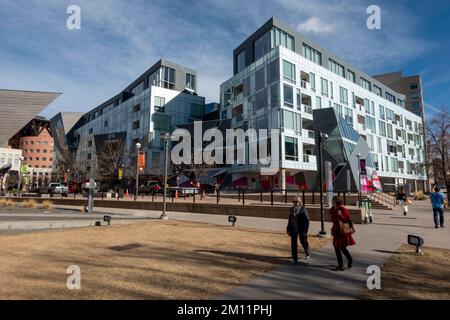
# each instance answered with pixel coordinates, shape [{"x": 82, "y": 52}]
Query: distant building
[{"x": 36, "y": 142}]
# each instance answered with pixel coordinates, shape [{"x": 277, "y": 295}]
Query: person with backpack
[
  {"x": 437, "y": 202},
  {"x": 341, "y": 231},
  {"x": 298, "y": 226}
]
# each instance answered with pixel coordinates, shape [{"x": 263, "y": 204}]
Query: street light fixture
[
  {"x": 359, "y": 179},
  {"x": 138, "y": 146},
  {"x": 20, "y": 173},
  {"x": 166, "y": 137},
  {"x": 321, "y": 137}
]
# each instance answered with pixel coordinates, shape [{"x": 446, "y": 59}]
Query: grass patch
[
  {"x": 409, "y": 276},
  {"x": 47, "y": 204},
  {"x": 30, "y": 204},
  {"x": 149, "y": 260}
]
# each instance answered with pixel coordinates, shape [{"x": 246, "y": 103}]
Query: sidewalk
[{"x": 313, "y": 279}]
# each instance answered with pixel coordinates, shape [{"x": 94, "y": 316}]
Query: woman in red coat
[{"x": 341, "y": 241}]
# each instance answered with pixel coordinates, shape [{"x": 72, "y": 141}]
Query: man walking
[
  {"x": 437, "y": 201},
  {"x": 298, "y": 225}
]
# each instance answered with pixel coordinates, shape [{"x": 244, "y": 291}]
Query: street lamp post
[
  {"x": 136, "y": 191},
  {"x": 359, "y": 179},
  {"x": 166, "y": 137},
  {"x": 321, "y": 136},
  {"x": 20, "y": 174}
]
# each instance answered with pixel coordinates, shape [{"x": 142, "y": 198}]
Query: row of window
[
  {"x": 37, "y": 159},
  {"x": 36, "y": 151},
  {"x": 37, "y": 143}
]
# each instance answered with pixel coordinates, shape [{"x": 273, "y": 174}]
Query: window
[
  {"x": 312, "y": 78},
  {"x": 44, "y": 159},
  {"x": 281, "y": 38},
  {"x": 324, "y": 86},
  {"x": 288, "y": 71},
  {"x": 312, "y": 54},
  {"x": 382, "y": 127},
  {"x": 90, "y": 143},
  {"x": 351, "y": 76},
  {"x": 89, "y": 156},
  {"x": 91, "y": 130},
  {"x": 262, "y": 45},
  {"x": 137, "y": 108},
  {"x": 168, "y": 77},
  {"x": 160, "y": 102},
  {"x": 367, "y": 105},
  {"x": 338, "y": 108},
  {"x": 348, "y": 115},
  {"x": 414, "y": 86},
  {"x": 44, "y": 150},
  {"x": 240, "y": 61},
  {"x": 390, "y": 132},
  {"x": 288, "y": 96},
  {"x": 370, "y": 124},
  {"x": 138, "y": 89},
  {"x": 291, "y": 148},
  {"x": 366, "y": 84},
  {"x": 343, "y": 95},
  {"x": 190, "y": 81},
  {"x": 390, "y": 115},
  {"x": 378, "y": 90},
  {"x": 336, "y": 68},
  {"x": 105, "y": 124},
  {"x": 318, "y": 103},
  {"x": 382, "y": 112},
  {"x": 136, "y": 124},
  {"x": 291, "y": 120},
  {"x": 390, "y": 97}
]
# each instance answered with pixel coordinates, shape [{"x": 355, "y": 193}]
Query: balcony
[
  {"x": 309, "y": 136},
  {"x": 307, "y": 112}
]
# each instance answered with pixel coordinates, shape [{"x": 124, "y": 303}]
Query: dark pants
[
  {"x": 438, "y": 214},
  {"x": 303, "y": 240},
  {"x": 339, "y": 252}
]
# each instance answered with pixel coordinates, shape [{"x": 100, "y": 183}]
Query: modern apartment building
[
  {"x": 161, "y": 98},
  {"x": 280, "y": 78}
]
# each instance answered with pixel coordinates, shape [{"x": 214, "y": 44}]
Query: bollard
[
  {"x": 345, "y": 201},
  {"x": 271, "y": 197},
  {"x": 243, "y": 197},
  {"x": 285, "y": 196},
  {"x": 303, "y": 197},
  {"x": 261, "y": 197},
  {"x": 239, "y": 195},
  {"x": 193, "y": 197},
  {"x": 217, "y": 196},
  {"x": 313, "y": 200}
]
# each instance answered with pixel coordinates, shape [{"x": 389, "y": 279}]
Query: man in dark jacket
[{"x": 298, "y": 225}]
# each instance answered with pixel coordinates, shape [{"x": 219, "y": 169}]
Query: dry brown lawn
[
  {"x": 164, "y": 260},
  {"x": 409, "y": 276}
]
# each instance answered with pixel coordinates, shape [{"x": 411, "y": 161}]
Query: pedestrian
[
  {"x": 341, "y": 231},
  {"x": 437, "y": 201},
  {"x": 403, "y": 200},
  {"x": 298, "y": 225}
]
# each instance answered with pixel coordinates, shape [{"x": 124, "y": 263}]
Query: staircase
[{"x": 381, "y": 201}]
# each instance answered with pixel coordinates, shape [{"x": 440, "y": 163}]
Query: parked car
[
  {"x": 149, "y": 187},
  {"x": 55, "y": 188}
]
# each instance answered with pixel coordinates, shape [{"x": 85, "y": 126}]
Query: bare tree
[
  {"x": 109, "y": 160},
  {"x": 438, "y": 132},
  {"x": 66, "y": 166}
]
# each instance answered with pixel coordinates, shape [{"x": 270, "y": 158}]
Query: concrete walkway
[{"x": 314, "y": 279}]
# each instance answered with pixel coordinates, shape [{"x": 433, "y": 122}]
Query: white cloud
[{"x": 315, "y": 25}]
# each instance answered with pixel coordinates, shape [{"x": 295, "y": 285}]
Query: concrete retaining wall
[{"x": 263, "y": 211}]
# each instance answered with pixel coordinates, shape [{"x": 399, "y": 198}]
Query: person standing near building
[
  {"x": 298, "y": 225},
  {"x": 341, "y": 240},
  {"x": 437, "y": 201},
  {"x": 403, "y": 200}
]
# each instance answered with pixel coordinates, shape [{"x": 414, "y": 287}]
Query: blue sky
[{"x": 120, "y": 39}]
